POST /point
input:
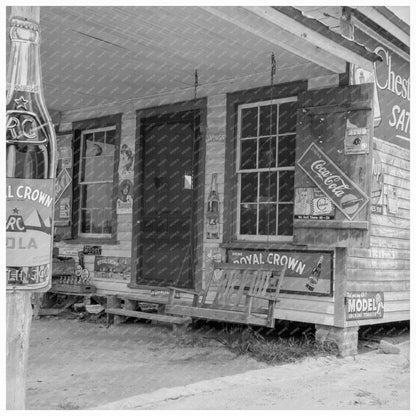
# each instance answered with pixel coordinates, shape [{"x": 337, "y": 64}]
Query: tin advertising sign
[
  {"x": 29, "y": 206},
  {"x": 114, "y": 268},
  {"x": 340, "y": 189},
  {"x": 364, "y": 305},
  {"x": 392, "y": 81},
  {"x": 301, "y": 265}
]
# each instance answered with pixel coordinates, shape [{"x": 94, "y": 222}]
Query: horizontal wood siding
[{"x": 385, "y": 265}]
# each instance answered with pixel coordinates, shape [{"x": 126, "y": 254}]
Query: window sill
[
  {"x": 332, "y": 224},
  {"x": 261, "y": 245},
  {"x": 92, "y": 241}
]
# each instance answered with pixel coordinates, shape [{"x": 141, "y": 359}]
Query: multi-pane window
[
  {"x": 96, "y": 182},
  {"x": 266, "y": 169}
]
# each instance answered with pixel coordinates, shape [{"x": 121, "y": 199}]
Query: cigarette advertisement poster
[
  {"x": 340, "y": 189},
  {"x": 300, "y": 265}
]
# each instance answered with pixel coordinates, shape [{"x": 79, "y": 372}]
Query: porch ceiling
[{"x": 99, "y": 55}]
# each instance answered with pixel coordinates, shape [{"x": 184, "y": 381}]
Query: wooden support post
[
  {"x": 19, "y": 305},
  {"x": 113, "y": 302},
  {"x": 19, "y": 318}
]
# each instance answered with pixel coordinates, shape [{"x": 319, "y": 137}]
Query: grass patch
[{"x": 276, "y": 349}]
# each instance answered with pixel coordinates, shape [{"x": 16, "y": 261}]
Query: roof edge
[{"x": 323, "y": 30}]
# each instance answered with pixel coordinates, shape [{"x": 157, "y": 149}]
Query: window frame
[
  {"x": 239, "y": 171},
  {"x": 78, "y": 128},
  {"x": 84, "y": 183}
]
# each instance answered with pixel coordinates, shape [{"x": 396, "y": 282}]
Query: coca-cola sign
[{"x": 343, "y": 192}]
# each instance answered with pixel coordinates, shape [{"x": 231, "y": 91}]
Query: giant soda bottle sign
[
  {"x": 28, "y": 232},
  {"x": 30, "y": 165}
]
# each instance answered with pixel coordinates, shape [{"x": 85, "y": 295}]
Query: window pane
[
  {"x": 249, "y": 122},
  {"x": 96, "y": 196},
  {"x": 286, "y": 186},
  {"x": 268, "y": 120},
  {"x": 267, "y": 152},
  {"x": 267, "y": 219},
  {"x": 285, "y": 217},
  {"x": 287, "y": 117},
  {"x": 286, "y": 155},
  {"x": 248, "y": 154},
  {"x": 268, "y": 187},
  {"x": 85, "y": 221},
  {"x": 98, "y": 168},
  {"x": 97, "y": 221},
  {"x": 248, "y": 219},
  {"x": 110, "y": 143},
  {"x": 249, "y": 187}
]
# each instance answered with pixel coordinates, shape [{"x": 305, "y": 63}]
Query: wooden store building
[{"x": 253, "y": 136}]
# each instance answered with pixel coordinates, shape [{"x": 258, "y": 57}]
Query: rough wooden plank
[
  {"x": 378, "y": 275},
  {"x": 377, "y": 264},
  {"x": 144, "y": 298},
  {"x": 301, "y": 316},
  {"x": 397, "y": 182},
  {"x": 216, "y": 314},
  {"x": 378, "y": 285},
  {"x": 340, "y": 285},
  {"x": 390, "y": 232},
  {"x": 19, "y": 318},
  {"x": 388, "y": 317},
  {"x": 379, "y": 253},
  {"x": 307, "y": 305},
  {"x": 395, "y": 151},
  {"x": 382, "y": 241},
  {"x": 151, "y": 316},
  {"x": 392, "y": 220}
]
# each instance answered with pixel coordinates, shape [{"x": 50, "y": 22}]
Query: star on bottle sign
[{"x": 21, "y": 103}]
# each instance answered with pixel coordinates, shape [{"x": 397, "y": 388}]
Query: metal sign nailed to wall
[
  {"x": 300, "y": 267},
  {"x": 364, "y": 305},
  {"x": 342, "y": 191}
]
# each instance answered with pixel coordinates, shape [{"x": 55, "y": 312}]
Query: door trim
[{"x": 199, "y": 105}]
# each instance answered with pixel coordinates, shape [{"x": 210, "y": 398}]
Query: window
[
  {"x": 266, "y": 137},
  {"x": 95, "y": 179}
]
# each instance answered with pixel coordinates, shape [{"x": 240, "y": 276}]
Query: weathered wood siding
[{"x": 385, "y": 265}]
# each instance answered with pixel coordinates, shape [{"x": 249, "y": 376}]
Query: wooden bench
[{"x": 238, "y": 293}]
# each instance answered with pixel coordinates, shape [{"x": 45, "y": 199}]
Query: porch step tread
[
  {"x": 177, "y": 320},
  {"x": 145, "y": 299}
]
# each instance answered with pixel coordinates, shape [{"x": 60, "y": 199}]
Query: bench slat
[{"x": 178, "y": 320}]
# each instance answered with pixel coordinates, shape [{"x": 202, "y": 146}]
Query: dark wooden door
[{"x": 166, "y": 240}]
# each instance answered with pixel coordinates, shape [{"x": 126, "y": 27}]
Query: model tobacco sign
[
  {"x": 341, "y": 190},
  {"x": 364, "y": 305}
]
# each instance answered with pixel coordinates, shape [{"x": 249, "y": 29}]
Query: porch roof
[{"x": 94, "y": 56}]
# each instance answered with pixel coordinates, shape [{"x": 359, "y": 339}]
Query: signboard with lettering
[
  {"x": 313, "y": 204},
  {"x": 92, "y": 250},
  {"x": 364, "y": 305},
  {"x": 115, "y": 268},
  {"x": 392, "y": 80},
  {"x": 29, "y": 205},
  {"x": 341, "y": 190},
  {"x": 301, "y": 265}
]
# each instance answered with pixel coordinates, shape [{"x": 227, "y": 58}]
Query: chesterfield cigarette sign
[{"x": 344, "y": 193}]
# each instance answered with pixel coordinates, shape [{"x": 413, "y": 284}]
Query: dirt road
[{"x": 79, "y": 365}]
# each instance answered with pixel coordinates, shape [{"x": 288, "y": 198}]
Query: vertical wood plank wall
[{"x": 385, "y": 265}]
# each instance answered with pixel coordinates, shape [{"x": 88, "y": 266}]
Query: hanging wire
[{"x": 196, "y": 84}]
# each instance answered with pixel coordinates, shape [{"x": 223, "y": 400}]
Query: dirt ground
[{"x": 77, "y": 364}]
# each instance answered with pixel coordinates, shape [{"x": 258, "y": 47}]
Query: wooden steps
[{"x": 125, "y": 306}]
